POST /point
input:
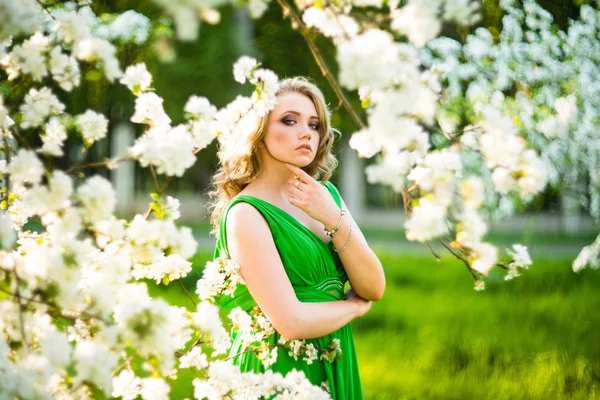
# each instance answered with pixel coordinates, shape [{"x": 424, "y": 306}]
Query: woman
[{"x": 295, "y": 241}]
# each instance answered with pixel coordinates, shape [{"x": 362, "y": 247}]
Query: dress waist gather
[{"x": 329, "y": 289}]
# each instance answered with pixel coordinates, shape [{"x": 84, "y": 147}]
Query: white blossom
[
  {"x": 154, "y": 389},
  {"x": 479, "y": 285},
  {"x": 463, "y": 12},
  {"x": 53, "y": 138},
  {"x": 520, "y": 256},
  {"x": 484, "y": 257},
  {"x": 53, "y": 197},
  {"x": 38, "y": 105},
  {"x": 20, "y": 17},
  {"x": 130, "y": 26},
  {"x": 126, "y": 385},
  {"x": 330, "y": 23},
  {"x": 25, "y": 167},
  {"x": 194, "y": 359},
  {"x": 470, "y": 229},
  {"x": 28, "y": 58},
  {"x": 102, "y": 53},
  {"x": 92, "y": 125},
  {"x": 418, "y": 20},
  {"x": 392, "y": 170},
  {"x": 257, "y": 8},
  {"x": 71, "y": 26},
  {"x": 221, "y": 275},
  {"x": 243, "y": 68},
  {"x": 64, "y": 69},
  {"x": 427, "y": 221},
  {"x": 95, "y": 363},
  {"x": 566, "y": 108},
  {"x": 589, "y": 255},
  {"x": 362, "y": 55},
  {"x": 202, "y": 114},
  {"x": 171, "y": 151},
  {"x": 137, "y": 78},
  {"x": 472, "y": 192},
  {"x": 149, "y": 110},
  {"x": 98, "y": 199},
  {"x": 8, "y": 235}
]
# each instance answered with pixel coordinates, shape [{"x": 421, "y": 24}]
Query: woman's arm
[
  {"x": 364, "y": 269},
  {"x": 250, "y": 243},
  {"x": 360, "y": 262}
]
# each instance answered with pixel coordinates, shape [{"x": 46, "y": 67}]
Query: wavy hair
[{"x": 241, "y": 164}]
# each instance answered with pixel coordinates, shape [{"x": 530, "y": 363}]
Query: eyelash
[{"x": 285, "y": 121}]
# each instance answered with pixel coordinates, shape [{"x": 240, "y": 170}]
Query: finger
[
  {"x": 295, "y": 201},
  {"x": 303, "y": 176},
  {"x": 296, "y": 183}
]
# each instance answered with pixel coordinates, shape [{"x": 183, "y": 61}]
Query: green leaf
[
  {"x": 155, "y": 196},
  {"x": 93, "y": 75}
]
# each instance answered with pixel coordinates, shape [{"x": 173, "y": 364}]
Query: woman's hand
[
  {"x": 313, "y": 198},
  {"x": 363, "y": 305}
]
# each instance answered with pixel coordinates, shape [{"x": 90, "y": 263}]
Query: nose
[{"x": 305, "y": 132}]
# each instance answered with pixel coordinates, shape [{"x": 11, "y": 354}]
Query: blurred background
[{"x": 432, "y": 336}]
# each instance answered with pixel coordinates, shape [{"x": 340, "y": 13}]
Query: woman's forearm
[
  {"x": 364, "y": 269},
  {"x": 313, "y": 320}
]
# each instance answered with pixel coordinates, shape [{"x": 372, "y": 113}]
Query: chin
[{"x": 302, "y": 163}]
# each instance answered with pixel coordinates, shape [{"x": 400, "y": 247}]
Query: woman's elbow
[
  {"x": 374, "y": 295},
  {"x": 289, "y": 325},
  {"x": 375, "y": 292},
  {"x": 378, "y": 295},
  {"x": 289, "y": 331}
]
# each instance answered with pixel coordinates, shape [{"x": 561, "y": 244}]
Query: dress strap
[{"x": 222, "y": 239}]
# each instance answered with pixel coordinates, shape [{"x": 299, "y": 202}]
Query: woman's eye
[
  {"x": 314, "y": 126},
  {"x": 288, "y": 121}
]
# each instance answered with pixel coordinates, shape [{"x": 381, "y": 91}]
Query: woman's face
[{"x": 293, "y": 130}]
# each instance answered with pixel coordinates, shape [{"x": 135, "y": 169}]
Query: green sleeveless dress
[{"x": 317, "y": 275}]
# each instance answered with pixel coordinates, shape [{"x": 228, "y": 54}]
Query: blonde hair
[{"x": 237, "y": 168}]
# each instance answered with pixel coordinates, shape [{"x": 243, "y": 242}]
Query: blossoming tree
[
  {"x": 76, "y": 318},
  {"x": 543, "y": 78}
]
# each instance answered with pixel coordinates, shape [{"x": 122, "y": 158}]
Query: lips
[{"x": 305, "y": 146}]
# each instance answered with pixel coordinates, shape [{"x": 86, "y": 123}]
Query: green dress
[{"x": 317, "y": 275}]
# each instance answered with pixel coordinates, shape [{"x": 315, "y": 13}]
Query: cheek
[
  {"x": 316, "y": 140},
  {"x": 277, "y": 136}
]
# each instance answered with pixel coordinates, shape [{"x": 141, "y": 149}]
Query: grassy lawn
[{"x": 434, "y": 337}]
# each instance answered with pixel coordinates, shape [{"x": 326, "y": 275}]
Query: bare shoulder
[{"x": 245, "y": 221}]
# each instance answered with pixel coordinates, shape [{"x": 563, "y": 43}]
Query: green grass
[{"x": 433, "y": 337}]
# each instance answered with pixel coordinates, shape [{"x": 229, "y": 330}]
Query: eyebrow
[{"x": 298, "y": 114}]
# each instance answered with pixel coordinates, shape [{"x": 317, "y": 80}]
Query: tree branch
[
  {"x": 304, "y": 30},
  {"x": 461, "y": 258},
  {"x": 186, "y": 292}
]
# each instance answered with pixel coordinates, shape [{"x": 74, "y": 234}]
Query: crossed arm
[
  {"x": 265, "y": 277},
  {"x": 362, "y": 265}
]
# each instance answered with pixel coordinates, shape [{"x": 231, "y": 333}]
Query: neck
[{"x": 274, "y": 177}]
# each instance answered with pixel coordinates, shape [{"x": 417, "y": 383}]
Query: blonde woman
[{"x": 278, "y": 216}]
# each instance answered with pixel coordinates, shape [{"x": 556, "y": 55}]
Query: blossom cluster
[
  {"x": 76, "y": 317},
  {"x": 540, "y": 77},
  {"x": 221, "y": 277}
]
